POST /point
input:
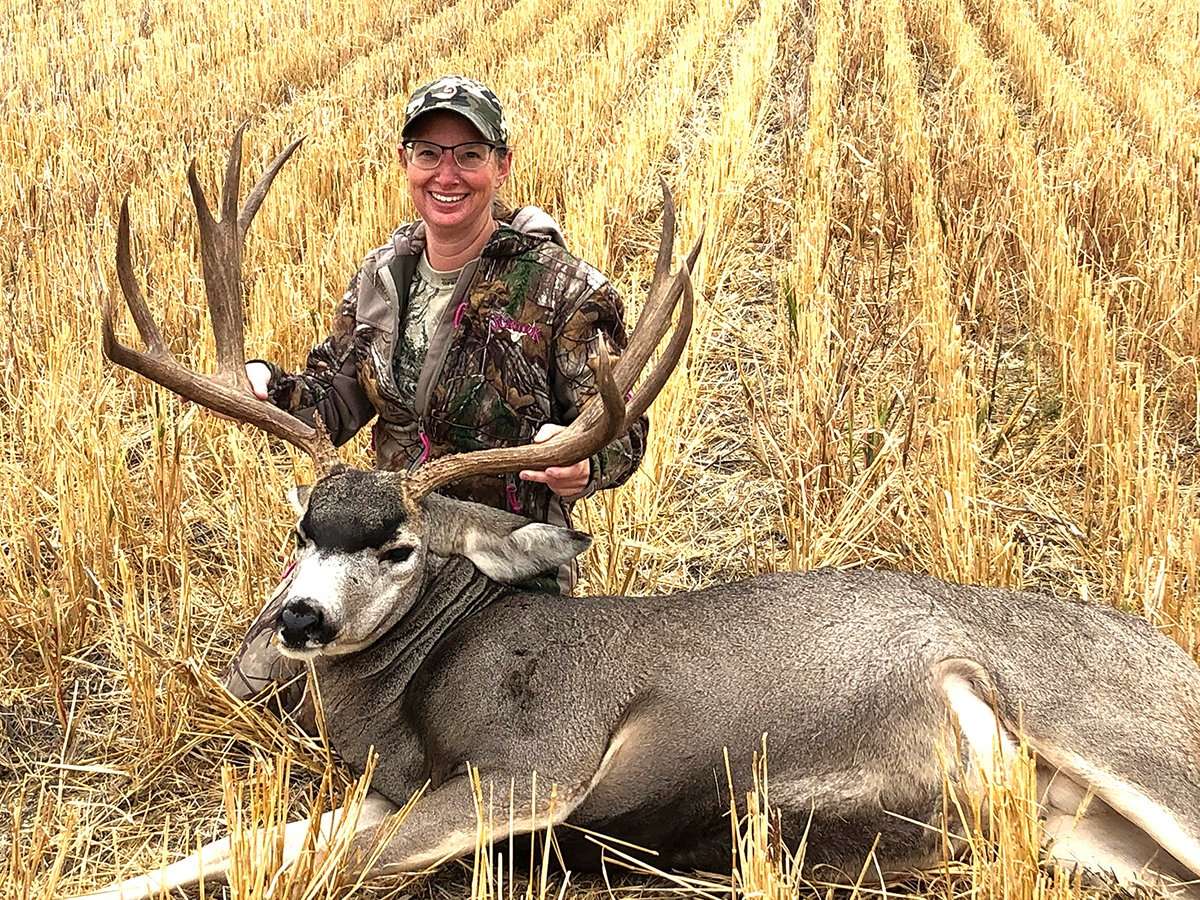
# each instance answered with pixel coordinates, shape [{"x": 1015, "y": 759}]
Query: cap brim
[{"x": 478, "y": 123}]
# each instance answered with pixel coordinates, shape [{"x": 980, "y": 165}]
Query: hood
[{"x": 536, "y": 221}]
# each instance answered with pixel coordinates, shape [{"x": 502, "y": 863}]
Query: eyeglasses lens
[{"x": 427, "y": 155}]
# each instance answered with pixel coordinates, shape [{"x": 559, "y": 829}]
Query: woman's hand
[
  {"x": 259, "y": 377},
  {"x": 566, "y": 481}
]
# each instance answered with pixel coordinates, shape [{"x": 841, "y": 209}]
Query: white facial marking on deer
[
  {"x": 342, "y": 601},
  {"x": 359, "y": 566}
]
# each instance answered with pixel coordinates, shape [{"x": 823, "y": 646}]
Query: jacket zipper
[{"x": 435, "y": 358}]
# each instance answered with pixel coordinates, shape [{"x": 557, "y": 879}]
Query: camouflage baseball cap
[{"x": 465, "y": 96}]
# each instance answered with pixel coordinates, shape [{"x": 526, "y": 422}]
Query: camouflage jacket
[{"x": 512, "y": 351}]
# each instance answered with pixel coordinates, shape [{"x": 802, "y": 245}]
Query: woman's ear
[{"x": 504, "y": 166}]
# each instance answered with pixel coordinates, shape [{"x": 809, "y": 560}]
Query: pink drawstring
[
  {"x": 514, "y": 502},
  {"x": 426, "y": 446},
  {"x": 458, "y": 313}
]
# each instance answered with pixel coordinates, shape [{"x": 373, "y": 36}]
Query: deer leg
[
  {"x": 444, "y": 824},
  {"x": 258, "y": 668},
  {"x": 212, "y": 862}
]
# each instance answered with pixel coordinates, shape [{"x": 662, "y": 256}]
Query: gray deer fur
[{"x": 871, "y": 686}]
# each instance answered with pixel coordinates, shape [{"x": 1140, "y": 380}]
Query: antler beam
[{"x": 221, "y": 243}]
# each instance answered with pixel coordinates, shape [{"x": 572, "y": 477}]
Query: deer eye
[{"x": 396, "y": 554}]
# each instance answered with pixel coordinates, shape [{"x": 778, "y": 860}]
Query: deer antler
[
  {"x": 602, "y": 419},
  {"x": 228, "y": 391}
]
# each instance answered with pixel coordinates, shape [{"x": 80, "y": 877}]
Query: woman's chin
[{"x": 447, "y": 216}]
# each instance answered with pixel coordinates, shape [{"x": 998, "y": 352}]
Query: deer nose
[{"x": 300, "y": 622}]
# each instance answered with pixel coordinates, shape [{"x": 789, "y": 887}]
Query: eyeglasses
[{"x": 469, "y": 156}]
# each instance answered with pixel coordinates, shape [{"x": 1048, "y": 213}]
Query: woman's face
[{"x": 448, "y": 198}]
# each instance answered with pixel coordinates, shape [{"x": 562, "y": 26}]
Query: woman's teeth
[{"x": 447, "y": 198}]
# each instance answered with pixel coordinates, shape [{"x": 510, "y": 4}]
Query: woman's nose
[{"x": 447, "y": 169}]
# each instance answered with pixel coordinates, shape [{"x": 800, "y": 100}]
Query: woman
[
  {"x": 467, "y": 330},
  {"x": 472, "y": 328}
]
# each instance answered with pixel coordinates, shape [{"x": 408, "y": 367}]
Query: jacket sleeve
[
  {"x": 328, "y": 385},
  {"x": 597, "y": 316}
]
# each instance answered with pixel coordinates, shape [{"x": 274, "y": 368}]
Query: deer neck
[{"x": 454, "y": 589}]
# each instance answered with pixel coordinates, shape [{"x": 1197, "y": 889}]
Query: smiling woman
[{"x": 472, "y": 327}]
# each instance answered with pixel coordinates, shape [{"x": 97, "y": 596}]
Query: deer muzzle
[{"x": 302, "y": 625}]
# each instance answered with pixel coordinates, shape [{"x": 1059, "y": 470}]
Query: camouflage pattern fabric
[
  {"x": 259, "y": 669},
  {"x": 515, "y": 349},
  {"x": 427, "y": 298},
  {"x": 465, "y": 96}
]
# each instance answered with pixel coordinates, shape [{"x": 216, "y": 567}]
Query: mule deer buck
[{"x": 873, "y": 686}]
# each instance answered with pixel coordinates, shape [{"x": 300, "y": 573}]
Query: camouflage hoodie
[{"x": 513, "y": 351}]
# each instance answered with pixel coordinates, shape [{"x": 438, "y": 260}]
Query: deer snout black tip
[{"x": 301, "y": 625}]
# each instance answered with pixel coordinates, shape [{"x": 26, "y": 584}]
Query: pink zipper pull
[
  {"x": 458, "y": 313},
  {"x": 426, "y": 447},
  {"x": 514, "y": 502}
]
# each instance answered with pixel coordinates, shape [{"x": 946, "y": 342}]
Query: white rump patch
[
  {"x": 1093, "y": 819},
  {"x": 321, "y": 580}
]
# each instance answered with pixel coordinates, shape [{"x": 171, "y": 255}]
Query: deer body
[
  {"x": 844, "y": 671},
  {"x": 873, "y": 688},
  {"x": 628, "y": 706}
]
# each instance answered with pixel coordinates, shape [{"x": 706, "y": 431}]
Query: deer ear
[
  {"x": 298, "y": 497},
  {"x": 503, "y": 546},
  {"x": 532, "y": 549}
]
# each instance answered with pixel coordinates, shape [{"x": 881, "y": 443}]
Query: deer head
[{"x": 362, "y": 556}]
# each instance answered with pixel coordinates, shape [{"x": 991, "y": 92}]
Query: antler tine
[
  {"x": 660, "y": 304},
  {"x": 694, "y": 253},
  {"x": 220, "y": 244},
  {"x": 259, "y": 191},
  {"x": 133, "y": 293},
  {"x": 221, "y": 263},
  {"x": 577, "y": 441},
  {"x": 662, "y": 370},
  {"x": 232, "y": 185},
  {"x": 666, "y": 243},
  {"x": 651, "y": 326}
]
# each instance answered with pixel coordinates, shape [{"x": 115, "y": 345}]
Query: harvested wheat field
[{"x": 948, "y": 321}]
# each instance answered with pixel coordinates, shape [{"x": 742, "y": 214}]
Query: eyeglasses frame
[{"x": 406, "y": 146}]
